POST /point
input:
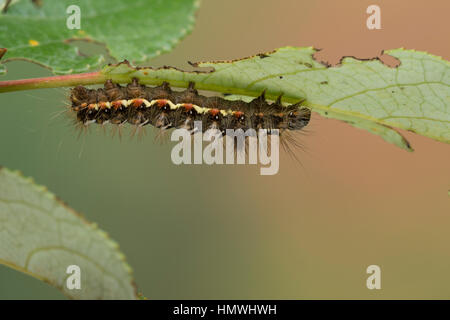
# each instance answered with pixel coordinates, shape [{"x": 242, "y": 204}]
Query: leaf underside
[
  {"x": 41, "y": 236},
  {"x": 135, "y": 30},
  {"x": 414, "y": 96}
]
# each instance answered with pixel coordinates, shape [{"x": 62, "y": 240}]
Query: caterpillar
[{"x": 140, "y": 105}]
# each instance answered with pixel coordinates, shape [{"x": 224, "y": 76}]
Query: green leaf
[
  {"x": 41, "y": 236},
  {"x": 2, "y": 66},
  {"x": 135, "y": 30},
  {"x": 415, "y": 96}
]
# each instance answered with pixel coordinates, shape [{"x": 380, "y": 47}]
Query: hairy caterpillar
[{"x": 163, "y": 108}]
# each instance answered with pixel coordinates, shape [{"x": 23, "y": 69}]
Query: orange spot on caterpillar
[
  {"x": 214, "y": 112},
  {"x": 161, "y": 102},
  {"x": 33, "y": 43},
  {"x": 238, "y": 114},
  {"x": 102, "y": 105},
  {"x": 137, "y": 103},
  {"x": 188, "y": 106},
  {"x": 91, "y": 106},
  {"x": 116, "y": 104}
]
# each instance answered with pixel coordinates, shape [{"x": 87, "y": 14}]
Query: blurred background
[{"x": 213, "y": 232}]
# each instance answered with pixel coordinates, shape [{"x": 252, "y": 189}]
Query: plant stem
[{"x": 52, "y": 82}]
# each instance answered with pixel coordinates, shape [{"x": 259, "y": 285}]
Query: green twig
[{"x": 52, "y": 82}]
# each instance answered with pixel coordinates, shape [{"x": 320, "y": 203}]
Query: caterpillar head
[{"x": 297, "y": 119}]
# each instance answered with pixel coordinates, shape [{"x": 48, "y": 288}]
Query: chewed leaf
[
  {"x": 414, "y": 96},
  {"x": 135, "y": 30},
  {"x": 42, "y": 237}
]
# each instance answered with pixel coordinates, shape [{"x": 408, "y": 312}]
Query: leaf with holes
[
  {"x": 42, "y": 237},
  {"x": 414, "y": 96},
  {"x": 135, "y": 30}
]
